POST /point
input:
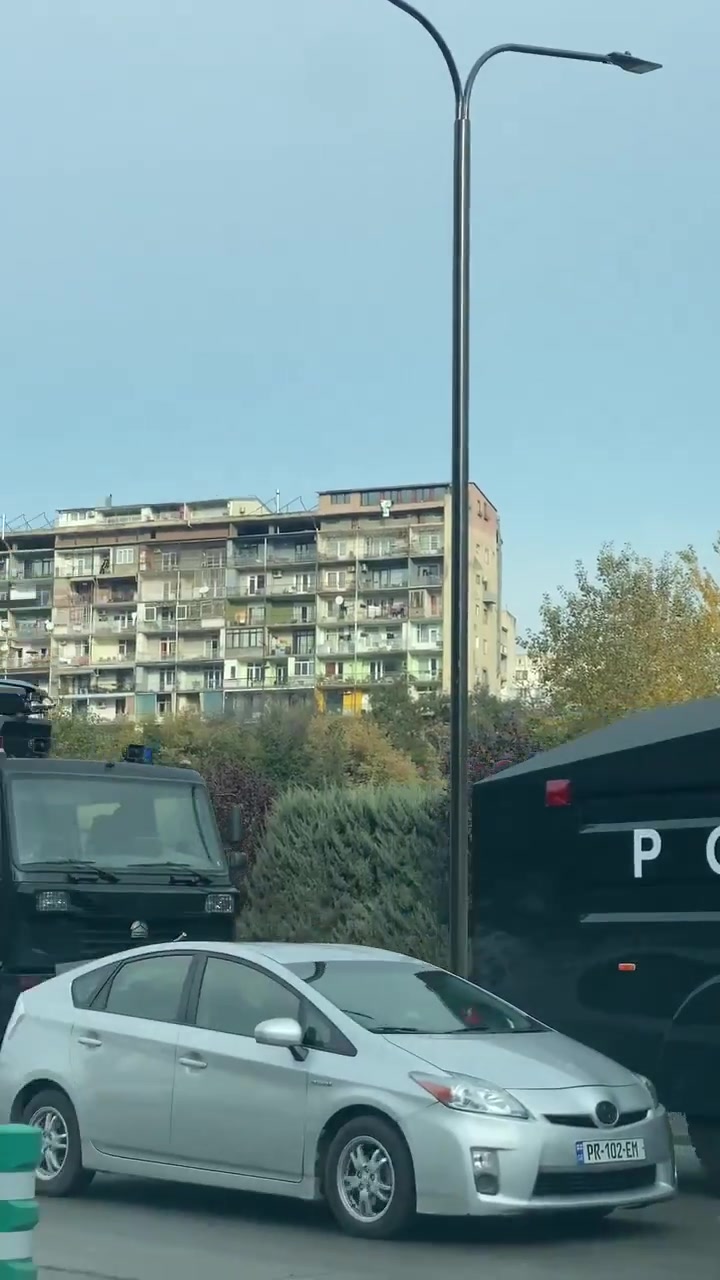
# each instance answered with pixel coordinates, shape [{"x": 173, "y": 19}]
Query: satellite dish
[{"x": 339, "y": 600}]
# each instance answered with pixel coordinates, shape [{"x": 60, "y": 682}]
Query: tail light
[{"x": 558, "y": 793}]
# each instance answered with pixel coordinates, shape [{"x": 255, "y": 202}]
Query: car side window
[
  {"x": 150, "y": 988},
  {"x": 234, "y": 997},
  {"x": 85, "y": 988}
]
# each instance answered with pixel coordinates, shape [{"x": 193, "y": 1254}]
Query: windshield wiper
[
  {"x": 399, "y": 1031},
  {"x": 189, "y": 874},
  {"x": 76, "y": 871}
]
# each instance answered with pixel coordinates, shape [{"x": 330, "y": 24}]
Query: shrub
[{"x": 367, "y": 865}]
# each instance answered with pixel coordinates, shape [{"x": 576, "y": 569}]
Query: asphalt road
[{"x": 146, "y": 1231}]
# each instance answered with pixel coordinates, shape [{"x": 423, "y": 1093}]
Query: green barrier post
[{"x": 20, "y": 1149}]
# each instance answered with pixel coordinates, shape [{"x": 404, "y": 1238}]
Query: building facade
[{"x": 228, "y": 606}]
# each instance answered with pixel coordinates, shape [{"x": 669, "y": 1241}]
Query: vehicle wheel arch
[
  {"x": 30, "y": 1091},
  {"x": 671, "y": 1053},
  {"x": 335, "y": 1123}
]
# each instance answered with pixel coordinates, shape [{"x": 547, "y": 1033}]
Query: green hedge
[{"x": 367, "y": 865}]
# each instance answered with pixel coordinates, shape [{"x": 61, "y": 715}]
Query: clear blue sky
[{"x": 226, "y": 247}]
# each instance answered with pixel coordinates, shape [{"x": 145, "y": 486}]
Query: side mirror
[
  {"x": 236, "y": 830},
  {"x": 283, "y": 1033}
]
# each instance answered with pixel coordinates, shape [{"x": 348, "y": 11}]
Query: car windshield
[
  {"x": 114, "y": 822},
  {"x": 411, "y": 998}
]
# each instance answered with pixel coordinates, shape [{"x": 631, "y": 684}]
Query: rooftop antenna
[{"x": 277, "y": 501}]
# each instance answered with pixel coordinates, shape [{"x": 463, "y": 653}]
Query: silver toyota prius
[{"x": 383, "y": 1084}]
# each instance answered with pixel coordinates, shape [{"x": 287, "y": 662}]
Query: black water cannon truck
[
  {"x": 101, "y": 856},
  {"x": 25, "y": 728},
  {"x": 596, "y": 899}
]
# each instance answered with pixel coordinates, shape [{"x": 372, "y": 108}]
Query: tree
[
  {"x": 355, "y": 865},
  {"x": 631, "y": 635},
  {"x": 408, "y": 722}
]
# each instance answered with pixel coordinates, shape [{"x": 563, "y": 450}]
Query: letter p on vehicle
[{"x": 646, "y": 846}]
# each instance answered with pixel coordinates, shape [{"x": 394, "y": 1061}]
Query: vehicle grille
[
  {"x": 587, "y": 1121},
  {"x": 99, "y": 936},
  {"x": 595, "y": 1182}
]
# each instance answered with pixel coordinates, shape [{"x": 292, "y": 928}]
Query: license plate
[{"x": 610, "y": 1151}]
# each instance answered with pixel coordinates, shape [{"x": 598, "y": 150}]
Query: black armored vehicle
[{"x": 596, "y": 899}]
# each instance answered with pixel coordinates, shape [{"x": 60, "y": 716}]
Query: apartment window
[
  {"x": 430, "y": 573},
  {"x": 304, "y": 642},
  {"x": 170, "y": 560},
  {"x": 377, "y": 670},
  {"x": 256, "y": 613},
  {"x": 334, "y": 670},
  {"x": 337, "y": 547},
  {"x": 256, "y": 584},
  {"x": 281, "y": 674},
  {"x": 303, "y": 613},
  {"x": 39, "y": 569},
  {"x": 212, "y": 647},
  {"x": 81, "y": 567},
  {"x": 388, "y": 578},
  {"x": 245, "y": 639},
  {"x": 304, "y": 582},
  {"x": 485, "y": 646},
  {"x": 373, "y": 497},
  {"x": 256, "y": 673},
  {"x": 43, "y": 598},
  {"x": 122, "y": 648},
  {"x": 213, "y": 559},
  {"x": 124, "y": 555},
  {"x": 430, "y": 669},
  {"x": 379, "y": 546},
  {"x": 163, "y": 705},
  {"x": 304, "y": 550},
  {"x": 417, "y": 599},
  {"x": 120, "y": 621},
  {"x": 150, "y": 613},
  {"x": 167, "y": 648},
  {"x": 167, "y": 680},
  {"x": 340, "y": 499},
  {"x": 304, "y": 667},
  {"x": 428, "y": 635},
  {"x": 170, "y": 590},
  {"x": 213, "y": 679},
  {"x": 336, "y": 578},
  {"x": 429, "y": 542}
]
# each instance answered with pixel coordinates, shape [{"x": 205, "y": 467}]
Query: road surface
[{"x": 133, "y": 1230}]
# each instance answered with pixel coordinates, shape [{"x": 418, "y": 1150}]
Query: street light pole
[{"x": 460, "y": 448}]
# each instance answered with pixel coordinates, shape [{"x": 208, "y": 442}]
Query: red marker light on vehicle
[
  {"x": 627, "y": 968},
  {"x": 558, "y": 793}
]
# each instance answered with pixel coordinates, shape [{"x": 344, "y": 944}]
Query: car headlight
[
  {"x": 651, "y": 1090},
  {"x": 462, "y": 1093}
]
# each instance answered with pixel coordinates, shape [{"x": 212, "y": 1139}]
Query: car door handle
[
  {"x": 90, "y": 1042},
  {"x": 196, "y": 1064}
]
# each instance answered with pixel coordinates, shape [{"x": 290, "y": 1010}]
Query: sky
[{"x": 225, "y": 236}]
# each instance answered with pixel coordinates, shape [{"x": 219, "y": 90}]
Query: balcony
[
  {"x": 425, "y": 676},
  {"x": 427, "y": 544},
  {"x": 336, "y": 648},
  {"x": 302, "y": 586},
  {"x": 257, "y": 557},
  {"x": 368, "y": 582},
  {"x": 74, "y": 660},
  {"x": 269, "y": 686},
  {"x": 384, "y": 549},
  {"x": 395, "y": 611},
  {"x": 110, "y": 626},
  {"x": 114, "y": 660},
  {"x": 29, "y": 598},
  {"x": 426, "y": 581},
  {"x": 381, "y": 644},
  {"x": 29, "y": 627},
  {"x": 427, "y": 643},
  {"x": 106, "y": 596},
  {"x": 29, "y": 662}
]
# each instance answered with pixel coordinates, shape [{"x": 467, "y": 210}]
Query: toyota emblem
[
  {"x": 607, "y": 1114},
  {"x": 139, "y": 929}
]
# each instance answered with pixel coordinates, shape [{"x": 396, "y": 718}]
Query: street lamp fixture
[{"x": 459, "y": 533}]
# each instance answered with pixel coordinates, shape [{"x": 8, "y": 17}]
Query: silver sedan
[{"x": 380, "y": 1083}]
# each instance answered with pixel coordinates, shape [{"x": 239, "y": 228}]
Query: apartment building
[{"x": 227, "y": 605}]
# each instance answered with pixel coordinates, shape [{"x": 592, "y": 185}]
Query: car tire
[
  {"x": 380, "y": 1204},
  {"x": 61, "y": 1171},
  {"x": 705, "y": 1138}
]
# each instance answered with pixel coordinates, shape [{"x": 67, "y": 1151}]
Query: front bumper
[{"x": 536, "y": 1160}]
